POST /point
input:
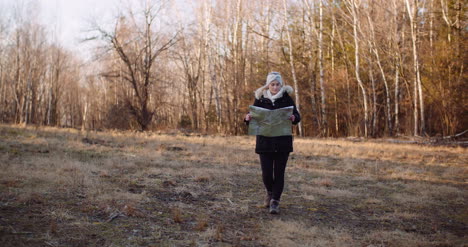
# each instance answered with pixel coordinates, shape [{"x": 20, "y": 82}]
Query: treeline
[{"x": 359, "y": 67}]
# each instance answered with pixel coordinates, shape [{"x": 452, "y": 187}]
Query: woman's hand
[
  {"x": 292, "y": 118},
  {"x": 248, "y": 117}
]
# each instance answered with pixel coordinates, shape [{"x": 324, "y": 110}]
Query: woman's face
[{"x": 274, "y": 87}]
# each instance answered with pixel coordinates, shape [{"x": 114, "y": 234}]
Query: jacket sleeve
[
  {"x": 256, "y": 103},
  {"x": 297, "y": 115}
]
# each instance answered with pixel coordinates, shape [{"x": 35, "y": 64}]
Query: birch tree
[
  {"x": 321, "y": 65},
  {"x": 352, "y": 7},
  {"x": 291, "y": 61},
  {"x": 396, "y": 62},
  {"x": 412, "y": 11}
]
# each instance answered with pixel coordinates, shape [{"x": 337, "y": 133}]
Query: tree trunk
[
  {"x": 322, "y": 86},
  {"x": 236, "y": 47},
  {"x": 374, "y": 100},
  {"x": 316, "y": 124},
  {"x": 347, "y": 62},
  {"x": 332, "y": 51},
  {"x": 3, "y": 98},
  {"x": 396, "y": 59},
  {"x": 397, "y": 96},
  {"x": 85, "y": 114},
  {"x": 374, "y": 49},
  {"x": 291, "y": 63},
  {"x": 356, "y": 57},
  {"x": 412, "y": 13}
]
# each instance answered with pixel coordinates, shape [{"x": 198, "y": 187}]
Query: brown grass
[{"x": 63, "y": 187}]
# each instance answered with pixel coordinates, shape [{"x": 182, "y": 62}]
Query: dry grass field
[{"x": 62, "y": 187}]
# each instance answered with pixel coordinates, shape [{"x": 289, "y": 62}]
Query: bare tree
[
  {"x": 190, "y": 55},
  {"x": 352, "y": 6},
  {"x": 58, "y": 64},
  {"x": 374, "y": 49},
  {"x": 139, "y": 50}
]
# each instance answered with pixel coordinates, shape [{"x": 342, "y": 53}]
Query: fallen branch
[{"x": 456, "y": 135}]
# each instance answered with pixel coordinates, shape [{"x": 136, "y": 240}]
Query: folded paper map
[{"x": 270, "y": 122}]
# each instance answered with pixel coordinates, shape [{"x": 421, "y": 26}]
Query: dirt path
[{"x": 65, "y": 188}]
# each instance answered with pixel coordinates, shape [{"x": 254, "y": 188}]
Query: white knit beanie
[{"x": 273, "y": 76}]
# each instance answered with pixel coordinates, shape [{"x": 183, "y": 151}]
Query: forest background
[{"x": 359, "y": 67}]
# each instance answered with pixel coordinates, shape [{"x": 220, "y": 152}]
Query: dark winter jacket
[{"x": 278, "y": 143}]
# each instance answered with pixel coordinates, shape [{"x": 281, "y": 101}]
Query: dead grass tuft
[
  {"x": 31, "y": 198},
  {"x": 53, "y": 226},
  {"x": 219, "y": 232},
  {"x": 208, "y": 235},
  {"x": 202, "y": 179},
  {"x": 400, "y": 215},
  {"x": 177, "y": 216},
  {"x": 202, "y": 223},
  {"x": 131, "y": 210},
  {"x": 327, "y": 182},
  {"x": 400, "y": 238},
  {"x": 15, "y": 183},
  {"x": 287, "y": 233},
  {"x": 373, "y": 201},
  {"x": 169, "y": 183},
  {"x": 60, "y": 214},
  {"x": 328, "y": 192}
]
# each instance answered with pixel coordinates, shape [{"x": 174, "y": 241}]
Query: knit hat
[{"x": 273, "y": 76}]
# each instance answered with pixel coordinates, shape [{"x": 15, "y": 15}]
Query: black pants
[{"x": 273, "y": 167}]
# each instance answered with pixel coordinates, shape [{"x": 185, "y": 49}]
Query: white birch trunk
[
  {"x": 332, "y": 49},
  {"x": 356, "y": 57},
  {"x": 322, "y": 86},
  {"x": 85, "y": 114},
  {"x": 397, "y": 95},
  {"x": 236, "y": 66},
  {"x": 397, "y": 69},
  {"x": 291, "y": 63},
  {"x": 412, "y": 13},
  {"x": 445, "y": 16},
  {"x": 374, "y": 100}
]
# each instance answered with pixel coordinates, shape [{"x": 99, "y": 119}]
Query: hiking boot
[
  {"x": 274, "y": 207},
  {"x": 266, "y": 203}
]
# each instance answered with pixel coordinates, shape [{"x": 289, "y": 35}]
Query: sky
[{"x": 69, "y": 21}]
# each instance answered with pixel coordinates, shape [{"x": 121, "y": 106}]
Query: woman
[{"x": 274, "y": 151}]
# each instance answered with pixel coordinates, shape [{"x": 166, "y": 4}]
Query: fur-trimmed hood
[{"x": 263, "y": 91}]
